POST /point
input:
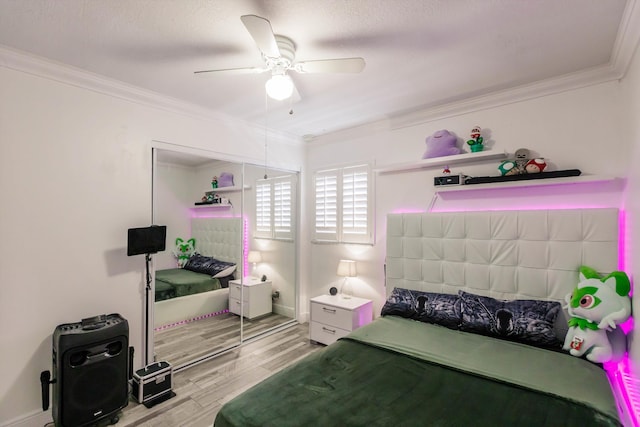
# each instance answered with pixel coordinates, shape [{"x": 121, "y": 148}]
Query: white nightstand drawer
[
  {"x": 332, "y": 316},
  {"x": 235, "y": 291},
  {"x": 234, "y": 306},
  {"x": 325, "y": 334}
]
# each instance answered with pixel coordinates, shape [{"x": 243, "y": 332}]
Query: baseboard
[{"x": 39, "y": 418}]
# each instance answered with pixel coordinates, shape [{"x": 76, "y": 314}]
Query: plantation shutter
[
  {"x": 326, "y": 202},
  {"x": 355, "y": 204},
  {"x": 263, "y": 209},
  {"x": 275, "y": 204},
  {"x": 283, "y": 208}
]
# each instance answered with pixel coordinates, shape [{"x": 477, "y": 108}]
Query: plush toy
[
  {"x": 476, "y": 140},
  {"x": 184, "y": 250},
  {"x": 535, "y": 166},
  {"x": 521, "y": 164},
  {"x": 441, "y": 143},
  {"x": 597, "y": 306},
  {"x": 508, "y": 167},
  {"x": 225, "y": 179}
]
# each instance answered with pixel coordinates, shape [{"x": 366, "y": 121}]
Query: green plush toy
[
  {"x": 184, "y": 250},
  {"x": 597, "y": 306}
]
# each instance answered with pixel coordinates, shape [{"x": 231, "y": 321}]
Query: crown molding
[
  {"x": 627, "y": 40},
  {"x": 65, "y": 74},
  {"x": 623, "y": 51}
]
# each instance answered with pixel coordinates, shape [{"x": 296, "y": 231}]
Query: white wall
[
  {"x": 630, "y": 105},
  {"x": 574, "y": 129},
  {"x": 75, "y": 174}
]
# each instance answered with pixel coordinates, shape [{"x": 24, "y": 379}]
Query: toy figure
[
  {"x": 535, "y": 166},
  {"x": 446, "y": 171},
  {"x": 508, "y": 167},
  {"x": 522, "y": 158},
  {"x": 522, "y": 164},
  {"x": 214, "y": 182},
  {"x": 597, "y": 306},
  {"x": 441, "y": 143},
  {"x": 476, "y": 140},
  {"x": 184, "y": 250}
]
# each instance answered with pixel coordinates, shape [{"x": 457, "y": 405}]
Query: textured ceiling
[{"x": 419, "y": 53}]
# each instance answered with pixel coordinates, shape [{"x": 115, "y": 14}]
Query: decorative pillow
[
  {"x": 207, "y": 265},
  {"x": 428, "y": 307},
  {"x": 527, "y": 321}
]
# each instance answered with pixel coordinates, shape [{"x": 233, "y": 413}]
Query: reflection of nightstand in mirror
[
  {"x": 255, "y": 294},
  {"x": 333, "y": 316}
]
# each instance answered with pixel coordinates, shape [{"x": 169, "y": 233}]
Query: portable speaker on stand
[{"x": 91, "y": 369}]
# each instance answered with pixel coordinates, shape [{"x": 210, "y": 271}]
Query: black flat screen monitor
[{"x": 146, "y": 240}]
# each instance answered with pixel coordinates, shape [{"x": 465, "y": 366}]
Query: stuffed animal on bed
[
  {"x": 184, "y": 250},
  {"x": 441, "y": 143},
  {"x": 597, "y": 306}
]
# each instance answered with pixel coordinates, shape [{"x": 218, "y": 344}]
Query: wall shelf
[
  {"x": 228, "y": 189},
  {"x": 526, "y": 183},
  {"x": 443, "y": 161},
  {"x": 213, "y": 206}
]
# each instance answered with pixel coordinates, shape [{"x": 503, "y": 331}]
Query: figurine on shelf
[
  {"x": 535, "y": 165},
  {"x": 214, "y": 182},
  {"x": 441, "y": 143},
  {"x": 522, "y": 164},
  {"x": 476, "y": 140},
  {"x": 446, "y": 171}
]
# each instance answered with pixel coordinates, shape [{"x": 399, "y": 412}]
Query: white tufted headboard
[
  {"x": 221, "y": 238},
  {"x": 503, "y": 254}
]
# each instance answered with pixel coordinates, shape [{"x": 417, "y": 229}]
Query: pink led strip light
[{"x": 184, "y": 322}]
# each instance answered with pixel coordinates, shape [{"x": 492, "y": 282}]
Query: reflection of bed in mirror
[{"x": 182, "y": 295}]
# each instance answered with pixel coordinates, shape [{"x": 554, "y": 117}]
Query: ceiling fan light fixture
[{"x": 279, "y": 87}]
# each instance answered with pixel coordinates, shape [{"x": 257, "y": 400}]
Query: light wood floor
[
  {"x": 194, "y": 340},
  {"x": 202, "y": 389}
]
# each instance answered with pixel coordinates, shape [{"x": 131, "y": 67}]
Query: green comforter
[
  {"x": 399, "y": 372},
  {"x": 178, "y": 282}
]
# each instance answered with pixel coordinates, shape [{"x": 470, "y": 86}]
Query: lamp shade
[
  {"x": 347, "y": 268},
  {"x": 279, "y": 87},
  {"x": 254, "y": 256}
]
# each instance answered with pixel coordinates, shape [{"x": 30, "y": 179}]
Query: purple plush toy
[{"x": 441, "y": 143}]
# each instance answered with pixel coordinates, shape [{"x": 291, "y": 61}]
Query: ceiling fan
[{"x": 278, "y": 54}]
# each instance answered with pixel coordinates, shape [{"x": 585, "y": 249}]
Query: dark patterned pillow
[
  {"x": 211, "y": 266},
  {"x": 428, "y": 307},
  {"x": 527, "y": 321}
]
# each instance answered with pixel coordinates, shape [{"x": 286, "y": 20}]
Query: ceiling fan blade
[
  {"x": 260, "y": 30},
  {"x": 346, "y": 65},
  {"x": 235, "y": 71}
]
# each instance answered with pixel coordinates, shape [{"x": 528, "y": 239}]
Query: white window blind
[
  {"x": 326, "y": 194},
  {"x": 275, "y": 207},
  {"x": 263, "y": 210},
  {"x": 343, "y": 205}
]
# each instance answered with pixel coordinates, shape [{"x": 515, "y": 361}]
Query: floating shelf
[
  {"x": 213, "y": 206},
  {"x": 443, "y": 161},
  {"x": 526, "y": 183},
  {"x": 227, "y": 189}
]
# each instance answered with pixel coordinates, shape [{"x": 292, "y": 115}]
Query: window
[
  {"x": 343, "y": 206},
  {"x": 274, "y": 207}
]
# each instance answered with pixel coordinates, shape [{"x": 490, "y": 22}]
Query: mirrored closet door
[
  {"x": 229, "y": 271},
  {"x": 269, "y": 288}
]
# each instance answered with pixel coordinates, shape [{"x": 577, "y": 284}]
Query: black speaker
[{"x": 90, "y": 370}]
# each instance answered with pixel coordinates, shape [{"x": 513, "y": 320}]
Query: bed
[
  {"x": 414, "y": 365},
  {"x": 184, "y": 294}
]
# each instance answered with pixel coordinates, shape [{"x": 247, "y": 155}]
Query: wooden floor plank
[{"x": 202, "y": 389}]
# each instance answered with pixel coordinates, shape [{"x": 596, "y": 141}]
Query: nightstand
[
  {"x": 333, "y": 316},
  {"x": 256, "y": 297}
]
